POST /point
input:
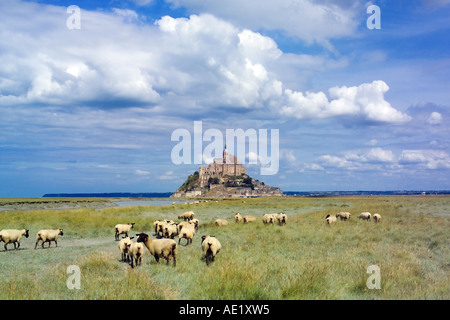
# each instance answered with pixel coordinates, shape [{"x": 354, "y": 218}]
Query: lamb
[
  {"x": 221, "y": 222},
  {"x": 188, "y": 215},
  {"x": 135, "y": 250},
  {"x": 13, "y": 236},
  {"x": 282, "y": 218},
  {"x": 248, "y": 219},
  {"x": 160, "y": 248},
  {"x": 124, "y": 248},
  {"x": 343, "y": 215},
  {"x": 376, "y": 217},
  {"x": 123, "y": 229},
  {"x": 187, "y": 232},
  {"x": 48, "y": 236},
  {"x": 330, "y": 219},
  {"x": 237, "y": 217},
  {"x": 211, "y": 247},
  {"x": 365, "y": 216},
  {"x": 269, "y": 218}
]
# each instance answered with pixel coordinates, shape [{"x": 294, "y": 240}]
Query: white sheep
[
  {"x": 123, "y": 229},
  {"x": 195, "y": 222},
  {"x": 343, "y": 215},
  {"x": 237, "y": 217},
  {"x": 187, "y": 232},
  {"x": 182, "y": 224},
  {"x": 160, "y": 248},
  {"x": 365, "y": 216},
  {"x": 48, "y": 236},
  {"x": 330, "y": 219},
  {"x": 221, "y": 222},
  {"x": 211, "y": 247},
  {"x": 282, "y": 218},
  {"x": 124, "y": 248},
  {"x": 188, "y": 215},
  {"x": 248, "y": 219},
  {"x": 135, "y": 250},
  {"x": 170, "y": 230},
  {"x": 376, "y": 217},
  {"x": 269, "y": 218},
  {"x": 13, "y": 236}
]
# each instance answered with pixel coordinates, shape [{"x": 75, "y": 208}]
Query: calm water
[{"x": 155, "y": 202}]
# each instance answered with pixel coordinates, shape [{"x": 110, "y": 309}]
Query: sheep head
[{"x": 142, "y": 237}]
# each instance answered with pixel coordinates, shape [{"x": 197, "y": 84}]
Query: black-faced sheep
[
  {"x": 211, "y": 247},
  {"x": 365, "y": 216},
  {"x": 13, "y": 236},
  {"x": 48, "y": 236},
  {"x": 376, "y": 217},
  {"x": 123, "y": 229},
  {"x": 135, "y": 250},
  {"x": 282, "y": 218},
  {"x": 160, "y": 248},
  {"x": 248, "y": 219},
  {"x": 330, "y": 219},
  {"x": 189, "y": 215},
  {"x": 187, "y": 232},
  {"x": 170, "y": 231},
  {"x": 269, "y": 218},
  {"x": 343, "y": 215},
  {"x": 237, "y": 217}
]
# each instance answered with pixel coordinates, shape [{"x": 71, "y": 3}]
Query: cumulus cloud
[
  {"x": 431, "y": 159},
  {"x": 435, "y": 118},
  {"x": 366, "y": 101}
]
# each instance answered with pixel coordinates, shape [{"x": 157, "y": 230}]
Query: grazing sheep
[
  {"x": 123, "y": 229},
  {"x": 330, "y": 219},
  {"x": 195, "y": 222},
  {"x": 365, "y": 216},
  {"x": 376, "y": 217},
  {"x": 123, "y": 247},
  {"x": 188, "y": 215},
  {"x": 343, "y": 215},
  {"x": 282, "y": 218},
  {"x": 13, "y": 236},
  {"x": 160, "y": 248},
  {"x": 183, "y": 224},
  {"x": 48, "y": 236},
  {"x": 248, "y": 219},
  {"x": 237, "y": 217},
  {"x": 187, "y": 232},
  {"x": 170, "y": 230},
  {"x": 135, "y": 250},
  {"x": 221, "y": 222},
  {"x": 269, "y": 218},
  {"x": 211, "y": 247}
]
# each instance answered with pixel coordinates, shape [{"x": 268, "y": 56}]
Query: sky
[{"x": 89, "y": 99}]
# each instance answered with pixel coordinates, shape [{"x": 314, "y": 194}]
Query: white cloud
[
  {"x": 380, "y": 155},
  {"x": 431, "y": 159},
  {"x": 435, "y": 118},
  {"x": 142, "y": 172}
]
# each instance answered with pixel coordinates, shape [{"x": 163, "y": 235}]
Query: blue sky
[{"x": 93, "y": 109}]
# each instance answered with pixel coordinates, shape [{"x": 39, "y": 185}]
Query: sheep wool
[
  {"x": 123, "y": 229},
  {"x": 237, "y": 217},
  {"x": 160, "y": 248},
  {"x": 187, "y": 232},
  {"x": 282, "y": 218},
  {"x": 13, "y": 236},
  {"x": 365, "y": 216},
  {"x": 123, "y": 247},
  {"x": 343, "y": 215},
  {"x": 221, "y": 222},
  {"x": 269, "y": 218},
  {"x": 48, "y": 236},
  {"x": 211, "y": 247},
  {"x": 248, "y": 219},
  {"x": 135, "y": 250},
  {"x": 330, "y": 219},
  {"x": 376, "y": 217},
  {"x": 189, "y": 215}
]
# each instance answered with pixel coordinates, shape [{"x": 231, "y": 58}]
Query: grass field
[{"x": 306, "y": 259}]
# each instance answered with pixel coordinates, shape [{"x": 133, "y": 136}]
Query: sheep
[
  {"x": 187, "y": 232},
  {"x": 135, "y": 250},
  {"x": 48, "y": 236},
  {"x": 188, "y": 215},
  {"x": 159, "y": 226},
  {"x": 165, "y": 248},
  {"x": 343, "y": 215},
  {"x": 195, "y": 222},
  {"x": 376, "y": 217},
  {"x": 124, "y": 248},
  {"x": 182, "y": 224},
  {"x": 123, "y": 229},
  {"x": 170, "y": 230},
  {"x": 269, "y": 218},
  {"x": 365, "y": 216},
  {"x": 211, "y": 247},
  {"x": 13, "y": 236},
  {"x": 237, "y": 217},
  {"x": 221, "y": 222},
  {"x": 248, "y": 219},
  {"x": 330, "y": 219},
  {"x": 282, "y": 218}
]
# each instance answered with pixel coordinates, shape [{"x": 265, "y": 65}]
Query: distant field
[{"x": 306, "y": 259}]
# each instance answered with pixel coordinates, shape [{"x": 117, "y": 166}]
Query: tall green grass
[{"x": 306, "y": 259}]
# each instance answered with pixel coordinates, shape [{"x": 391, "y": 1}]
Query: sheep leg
[
  {"x": 18, "y": 245},
  {"x": 5, "y": 247},
  {"x": 37, "y": 241},
  {"x": 157, "y": 258},
  {"x": 56, "y": 243}
]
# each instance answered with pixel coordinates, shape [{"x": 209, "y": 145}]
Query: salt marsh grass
[{"x": 306, "y": 259}]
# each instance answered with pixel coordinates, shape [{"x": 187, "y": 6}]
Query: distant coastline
[{"x": 286, "y": 193}]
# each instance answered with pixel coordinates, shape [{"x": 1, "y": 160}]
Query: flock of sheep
[
  {"x": 346, "y": 215},
  {"x": 164, "y": 246}
]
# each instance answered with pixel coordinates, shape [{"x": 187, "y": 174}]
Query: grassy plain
[{"x": 306, "y": 259}]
